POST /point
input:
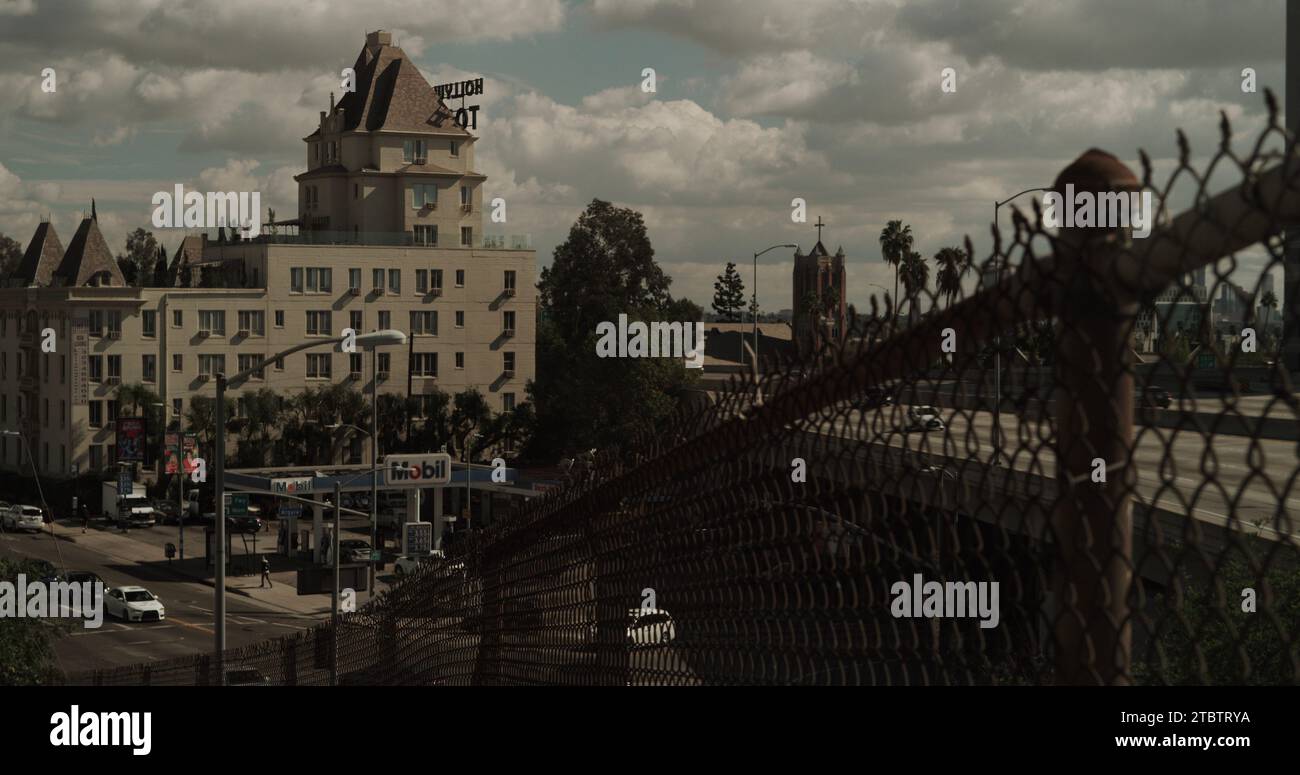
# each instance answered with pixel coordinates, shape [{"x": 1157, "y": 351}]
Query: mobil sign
[{"x": 417, "y": 470}]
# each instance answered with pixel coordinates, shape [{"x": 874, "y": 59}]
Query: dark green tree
[
  {"x": 137, "y": 263},
  {"x": 159, "y": 279},
  {"x": 895, "y": 245},
  {"x": 26, "y": 644},
  {"x": 11, "y": 255},
  {"x": 729, "y": 294}
]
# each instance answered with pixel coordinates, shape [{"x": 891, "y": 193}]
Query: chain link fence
[{"x": 1082, "y": 472}]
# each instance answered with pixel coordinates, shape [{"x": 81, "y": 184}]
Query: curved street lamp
[{"x": 755, "y": 301}]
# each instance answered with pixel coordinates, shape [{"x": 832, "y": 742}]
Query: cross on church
[{"x": 819, "y": 226}]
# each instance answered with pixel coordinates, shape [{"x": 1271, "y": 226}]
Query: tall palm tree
[
  {"x": 1269, "y": 303},
  {"x": 953, "y": 264},
  {"x": 895, "y": 244},
  {"x": 915, "y": 274}
]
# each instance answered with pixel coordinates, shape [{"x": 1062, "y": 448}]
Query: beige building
[{"x": 389, "y": 235}]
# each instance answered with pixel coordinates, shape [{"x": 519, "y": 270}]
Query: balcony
[
  {"x": 508, "y": 292},
  {"x": 466, "y": 209},
  {"x": 435, "y": 292},
  {"x": 508, "y": 333},
  {"x": 243, "y": 332},
  {"x": 205, "y": 378},
  {"x": 508, "y": 373},
  {"x": 113, "y": 381},
  {"x": 383, "y": 376},
  {"x": 204, "y": 334},
  {"x": 113, "y": 335},
  {"x": 354, "y": 291}
]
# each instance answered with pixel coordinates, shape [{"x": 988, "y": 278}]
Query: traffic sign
[
  {"x": 417, "y": 538},
  {"x": 236, "y": 504},
  {"x": 125, "y": 482},
  {"x": 290, "y": 510}
]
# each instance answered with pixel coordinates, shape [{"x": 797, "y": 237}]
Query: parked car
[
  {"x": 924, "y": 418},
  {"x": 650, "y": 627},
  {"x": 875, "y": 397},
  {"x": 235, "y": 524},
  {"x": 410, "y": 563},
  {"x": 20, "y": 517},
  {"x": 167, "y": 512},
  {"x": 354, "y": 550},
  {"x": 1154, "y": 396},
  {"x": 134, "y": 604},
  {"x": 81, "y": 577}
]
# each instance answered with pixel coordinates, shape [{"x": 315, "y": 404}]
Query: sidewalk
[{"x": 122, "y": 548}]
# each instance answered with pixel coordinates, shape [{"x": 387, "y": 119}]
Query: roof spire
[{"x": 94, "y": 216}]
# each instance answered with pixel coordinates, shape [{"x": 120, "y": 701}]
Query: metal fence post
[{"x": 1092, "y": 525}]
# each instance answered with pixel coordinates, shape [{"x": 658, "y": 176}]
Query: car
[
  {"x": 134, "y": 604},
  {"x": 1154, "y": 396},
  {"x": 354, "y": 550},
  {"x": 924, "y": 418},
  {"x": 410, "y": 563},
  {"x": 650, "y": 627},
  {"x": 20, "y": 517},
  {"x": 245, "y": 524},
  {"x": 875, "y": 397},
  {"x": 168, "y": 512},
  {"x": 82, "y": 577}
]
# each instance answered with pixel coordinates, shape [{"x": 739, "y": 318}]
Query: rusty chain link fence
[{"x": 872, "y": 514}]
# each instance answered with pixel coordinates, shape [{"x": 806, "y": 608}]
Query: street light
[
  {"x": 469, "y": 507},
  {"x": 373, "y": 339},
  {"x": 374, "y": 476},
  {"x": 997, "y": 343},
  {"x": 755, "y": 300}
]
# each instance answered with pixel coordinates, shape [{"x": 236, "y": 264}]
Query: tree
[
  {"x": 11, "y": 255},
  {"x": 261, "y": 413},
  {"x": 160, "y": 270},
  {"x": 729, "y": 294},
  {"x": 1269, "y": 302},
  {"x": 915, "y": 274},
  {"x": 201, "y": 419},
  {"x": 895, "y": 245},
  {"x": 137, "y": 262},
  {"x": 953, "y": 263},
  {"x": 26, "y": 643}
]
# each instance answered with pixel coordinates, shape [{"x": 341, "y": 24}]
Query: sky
[{"x": 757, "y": 102}]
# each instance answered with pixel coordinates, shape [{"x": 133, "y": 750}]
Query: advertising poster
[
  {"x": 130, "y": 439},
  {"x": 191, "y": 444}
]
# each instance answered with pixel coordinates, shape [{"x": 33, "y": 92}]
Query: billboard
[
  {"x": 417, "y": 470},
  {"x": 191, "y": 450},
  {"x": 130, "y": 439}
]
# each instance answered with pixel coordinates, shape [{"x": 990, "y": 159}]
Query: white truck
[{"x": 133, "y": 509}]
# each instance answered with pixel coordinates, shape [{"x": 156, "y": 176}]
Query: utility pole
[
  {"x": 334, "y": 552},
  {"x": 374, "y": 464}
]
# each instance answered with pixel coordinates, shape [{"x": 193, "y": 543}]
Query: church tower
[{"x": 820, "y": 311}]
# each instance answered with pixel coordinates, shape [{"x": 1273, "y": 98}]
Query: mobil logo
[{"x": 417, "y": 470}]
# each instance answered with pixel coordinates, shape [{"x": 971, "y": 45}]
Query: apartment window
[
  {"x": 178, "y": 362},
  {"x": 45, "y": 412},
  {"x": 248, "y": 362},
  {"x": 279, "y": 318},
  {"x": 63, "y": 458},
  {"x": 63, "y": 369},
  {"x": 115, "y": 367},
  {"x": 508, "y": 362},
  {"x": 385, "y": 320},
  {"x": 466, "y": 236},
  {"x": 295, "y": 280},
  {"x": 177, "y": 406},
  {"x": 510, "y": 280},
  {"x": 424, "y": 364},
  {"x": 356, "y": 191},
  {"x": 96, "y": 457},
  {"x": 213, "y": 321},
  {"x": 460, "y": 278},
  {"x": 149, "y": 323},
  {"x": 424, "y": 195},
  {"x": 465, "y": 199},
  {"x": 385, "y": 363},
  {"x": 377, "y": 279},
  {"x": 421, "y": 280},
  {"x": 63, "y": 414},
  {"x": 460, "y": 318},
  {"x": 460, "y": 360},
  {"x": 394, "y": 280},
  {"x": 426, "y": 235},
  {"x": 149, "y": 368},
  {"x": 318, "y": 322},
  {"x": 318, "y": 366},
  {"x": 455, "y": 148},
  {"x": 354, "y": 364},
  {"x": 319, "y": 280},
  {"x": 356, "y": 320},
  {"x": 424, "y": 322},
  {"x": 114, "y": 323},
  {"x": 508, "y": 402},
  {"x": 96, "y": 414},
  {"x": 508, "y": 320},
  {"x": 96, "y": 323},
  {"x": 354, "y": 278},
  {"x": 178, "y": 318},
  {"x": 96, "y": 364},
  {"x": 435, "y": 279},
  {"x": 111, "y": 407},
  {"x": 413, "y": 150},
  {"x": 212, "y": 364},
  {"x": 4, "y": 408},
  {"x": 4, "y": 365},
  {"x": 279, "y": 364},
  {"x": 253, "y": 321}
]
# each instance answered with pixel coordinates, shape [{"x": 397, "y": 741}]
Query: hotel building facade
[{"x": 389, "y": 235}]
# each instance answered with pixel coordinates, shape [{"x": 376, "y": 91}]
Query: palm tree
[
  {"x": 953, "y": 264},
  {"x": 1269, "y": 303},
  {"x": 895, "y": 244},
  {"x": 915, "y": 274}
]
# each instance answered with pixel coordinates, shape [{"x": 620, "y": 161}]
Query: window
[
  {"x": 413, "y": 150},
  {"x": 213, "y": 321},
  {"x": 295, "y": 280},
  {"x": 4, "y": 408},
  {"x": 178, "y": 318},
  {"x": 279, "y": 364},
  {"x": 510, "y": 280},
  {"x": 111, "y": 408},
  {"x": 63, "y": 414},
  {"x": 4, "y": 365},
  {"x": 96, "y": 457},
  {"x": 508, "y": 362},
  {"x": 385, "y": 362},
  {"x": 279, "y": 318},
  {"x": 115, "y": 367},
  {"x": 354, "y": 278},
  {"x": 318, "y": 366},
  {"x": 253, "y": 321},
  {"x": 149, "y": 368},
  {"x": 248, "y": 362},
  {"x": 424, "y": 364},
  {"x": 63, "y": 369},
  {"x": 319, "y": 280},
  {"x": 354, "y": 364},
  {"x": 96, "y": 363},
  {"x": 426, "y": 235},
  {"x": 424, "y": 322},
  {"x": 466, "y": 236},
  {"x": 96, "y": 323},
  {"x": 356, "y": 191},
  {"x": 508, "y": 320},
  {"x": 424, "y": 195},
  {"x": 178, "y": 362},
  {"x": 460, "y": 278},
  {"x": 355, "y": 320},
  {"x": 177, "y": 406},
  {"x": 96, "y": 414},
  {"x": 460, "y": 360},
  {"x": 394, "y": 280},
  {"x": 465, "y": 197},
  {"x": 377, "y": 279},
  {"x": 385, "y": 320},
  {"x": 508, "y": 402},
  {"x": 212, "y": 364},
  {"x": 115, "y": 323},
  {"x": 149, "y": 323},
  {"x": 460, "y": 318},
  {"x": 435, "y": 279},
  {"x": 318, "y": 322},
  {"x": 455, "y": 148},
  {"x": 421, "y": 280}
]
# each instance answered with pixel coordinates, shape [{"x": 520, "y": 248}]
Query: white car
[
  {"x": 925, "y": 418},
  {"x": 410, "y": 563},
  {"x": 650, "y": 627},
  {"x": 134, "y": 604},
  {"x": 24, "y": 518}
]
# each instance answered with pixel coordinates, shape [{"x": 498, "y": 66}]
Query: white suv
[{"x": 24, "y": 518}]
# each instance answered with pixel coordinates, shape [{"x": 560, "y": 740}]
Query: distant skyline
[{"x": 758, "y": 102}]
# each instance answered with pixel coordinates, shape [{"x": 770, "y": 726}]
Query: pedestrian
[
  {"x": 85, "y": 517},
  {"x": 266, "y": 574}
]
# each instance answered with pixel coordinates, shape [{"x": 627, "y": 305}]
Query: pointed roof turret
[
  {"x": 41, "y": 259},
  {"x": 87, "y": 257}
]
